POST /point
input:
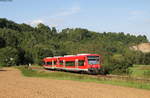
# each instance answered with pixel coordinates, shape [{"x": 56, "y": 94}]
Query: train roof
[{"x": 71, "y": 56}]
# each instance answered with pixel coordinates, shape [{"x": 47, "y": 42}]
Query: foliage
[
  {"x": 120, "y": 64},
  {"x": 28, "y": 44},
  {"x": 9, "y": 56}
]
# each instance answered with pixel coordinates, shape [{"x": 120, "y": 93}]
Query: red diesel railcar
[{"x": 90, "y": 63}]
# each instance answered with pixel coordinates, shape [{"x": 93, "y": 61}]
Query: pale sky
[{"x": 129, "y": 16}]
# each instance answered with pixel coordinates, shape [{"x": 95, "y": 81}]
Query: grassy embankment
[
  {"x": 140, "y": 71},
  {"x": 83, "y": 78}
]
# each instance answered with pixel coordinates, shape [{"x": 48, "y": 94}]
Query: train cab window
[
  {"x": 70, "y": 63},
  {"x": 49, "y": 63},
  {"x": 81, "y": 63},
  {"x": 93, "y": 60}
]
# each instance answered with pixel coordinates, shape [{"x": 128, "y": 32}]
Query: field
[
  {"x": 14, "y": 85},
  {"x": 110, "y": 79}
]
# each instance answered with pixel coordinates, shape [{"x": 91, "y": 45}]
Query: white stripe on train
[{"x": 69, "y": 69}]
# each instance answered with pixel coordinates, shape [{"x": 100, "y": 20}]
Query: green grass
[
  {"x": 82, "y": 78},
  {"x": 1, "y": 66},
  {"x": 36, "y": 65},
  {"x": 140, "y": 71}
]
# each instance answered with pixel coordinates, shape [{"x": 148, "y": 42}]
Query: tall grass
[{"x": 82, "y": 78}]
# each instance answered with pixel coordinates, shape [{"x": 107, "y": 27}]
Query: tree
[
  {"x": 2, "y": 42},
  {"x": 24, "y": 27},
  {"x": 9, "y": 37},
  {"x": 147, "y": 59},
  {"x": 119, "y": 65},
  {"x": 9, "y": 56},
  {"x": 41, "y": 51},
  {"x": 54, "y": 31},
  {"x": 43, "y": 28}
]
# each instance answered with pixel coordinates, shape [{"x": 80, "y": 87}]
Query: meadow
[
  {"x": 128, "y": 82},
  {"x": 140, "y": 71}
]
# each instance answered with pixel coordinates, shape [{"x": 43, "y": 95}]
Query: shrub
[
  {"x": 9, "y": 56},
  {"x": 117, "y": 65}
]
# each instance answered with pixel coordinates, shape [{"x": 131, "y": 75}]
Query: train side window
[
  {"x": 49, "y": 63},
  {"x": 55, "y": 63},
  {"x": 61, "y": 62},
  {"x": 70, "y": 63},
  {"x": 81, "y": 63}
]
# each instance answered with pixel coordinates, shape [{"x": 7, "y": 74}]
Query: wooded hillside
[{"x": 23, "y": 44}]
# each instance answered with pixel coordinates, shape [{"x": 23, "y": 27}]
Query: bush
[
  {"x": 9, "y": 56},
  {"x": 104, "y": 70},
  {"x": 1, "y": 65},
  {"x": 117, "y": 65}
]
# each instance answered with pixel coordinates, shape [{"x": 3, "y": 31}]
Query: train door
[{"x": 76, "y": 63}]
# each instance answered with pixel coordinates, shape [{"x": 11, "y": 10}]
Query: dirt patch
[
  {"x": 144, "y": 47},
  {"x": 14, "y": 85}
]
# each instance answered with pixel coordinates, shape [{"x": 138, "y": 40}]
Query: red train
[{"x": 90, "y": 63}]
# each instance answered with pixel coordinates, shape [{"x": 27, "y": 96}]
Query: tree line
[{"x": 22, "y": 44}]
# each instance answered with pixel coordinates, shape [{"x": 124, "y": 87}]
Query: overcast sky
[{"x": 129, "y": 16}]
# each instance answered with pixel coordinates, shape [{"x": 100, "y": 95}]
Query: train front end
[{"x": 94, "y": 63}]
